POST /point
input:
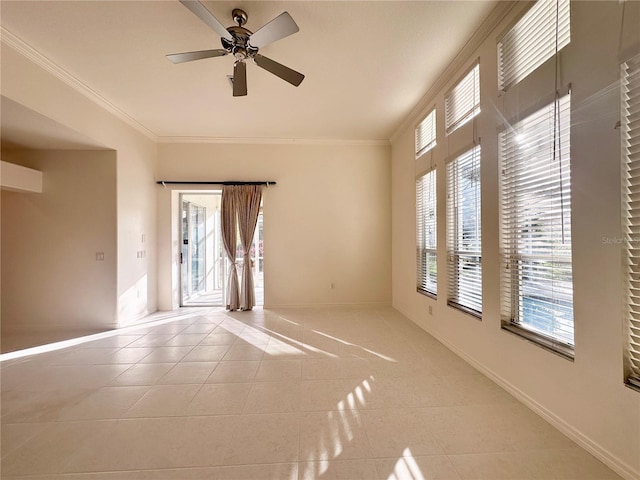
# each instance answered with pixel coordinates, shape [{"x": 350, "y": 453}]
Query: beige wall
[
  {"x": 585, "y": 398},
  {"x": 50, "y": 277},
  {"x": 327, "y": 221},
  {"x": 34, "y": 87}
]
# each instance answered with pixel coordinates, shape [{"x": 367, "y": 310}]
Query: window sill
[
  {"x": 467, "y": 310},
  {"x": 427, "y": 294},
  {"x": 633, "y": 384},
  {"x": 562, "y": 350}
]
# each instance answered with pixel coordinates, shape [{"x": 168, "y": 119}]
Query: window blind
[
  {"x": 426, "y": 134},
  {"x": 463, "y": 102},
  {"x": 532, "y": 41},
  {"x": 426, "y": 223},
  {"x": 464, "y": 256},
  {"x": 537, "y": 286},
  {"x": 631, "y": 199}
]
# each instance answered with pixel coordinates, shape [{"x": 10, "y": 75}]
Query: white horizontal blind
[
  {"x": 426, "y": 134},
  {"x": 464, "y": 245},
  {"x": 426, "y": 224},
  {"x": 537, "y": 286},
  {"x": 532, "y": 41},
  {"x": 631, "y": 199},
  {"x": 463, "y": 102}
]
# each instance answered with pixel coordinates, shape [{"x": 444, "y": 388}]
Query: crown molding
[
  {"x": 274, "y": 141},
  {"x": 480, "y": 35},
  {"x": 27, "y": 51}
]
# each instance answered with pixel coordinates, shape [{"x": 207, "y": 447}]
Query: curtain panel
[
  {"x": 229, "y": 238},
  {"x": 248, "y": 198}
]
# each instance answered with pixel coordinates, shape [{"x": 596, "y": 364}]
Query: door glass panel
[
  {"x": 198, "y": 250},
  {"x": 258, "y": 255},
  {"x": 184, "y": 252}
]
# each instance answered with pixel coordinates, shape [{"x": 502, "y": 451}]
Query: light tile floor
[
  {"x": 12, "y": 341},
  {"x": 212, "y": 298},
  {"x": 291, "y": 394}
]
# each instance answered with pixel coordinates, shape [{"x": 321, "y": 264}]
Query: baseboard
[
  {"x": 601, "y": 453},
  {"x": 23, "y": 329},
  {"x": 327, "y": 305}
]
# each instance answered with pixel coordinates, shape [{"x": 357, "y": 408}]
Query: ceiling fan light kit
[{"x": 243, "y": 45}]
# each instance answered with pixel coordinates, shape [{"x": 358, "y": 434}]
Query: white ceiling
[{"x": 367, "y": 63}]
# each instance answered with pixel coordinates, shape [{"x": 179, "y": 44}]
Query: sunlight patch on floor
[
  {"x": 263, "y": 337},
  {"x": 338, "y": 431},
  {"x": 379, "y": 355},
  {"x": 52, "y": 347},
  {"x": 406, "y": 468}
]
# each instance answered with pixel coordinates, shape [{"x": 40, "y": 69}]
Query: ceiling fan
[{"x": 243, "y": 45}]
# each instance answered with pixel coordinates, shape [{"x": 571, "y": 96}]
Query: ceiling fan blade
[
  {"x": 278, "y": 28},
  {"x": 285, "y": 73},
  {"x": 239, "y": 79},
  {"x": 190, "y": 56},
  {"x": 207, "y": 17}
]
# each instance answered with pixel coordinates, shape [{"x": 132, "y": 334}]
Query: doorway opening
[{"x": 204, "y": 266}]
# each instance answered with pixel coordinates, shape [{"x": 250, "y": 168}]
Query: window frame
[
  {"x": 535, "y": 38},
  {"x": 422, "y": 250},
  {"x": 471, "y": 113},
  {"x": 511, "y": 278},
  {"x": 456, "y": 253},
  {"x": 429, "y": 118},
  {"x": 630, "y": 154}
]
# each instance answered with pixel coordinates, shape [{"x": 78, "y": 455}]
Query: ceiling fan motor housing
[
  {"x": 236, "y": 40},
  {"x": 239, "y": 47}
]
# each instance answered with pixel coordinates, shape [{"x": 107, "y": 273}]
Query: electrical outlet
[{"x": 430, "y": 310}]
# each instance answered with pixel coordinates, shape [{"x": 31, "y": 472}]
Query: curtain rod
[{"x": 171, "y": 182}]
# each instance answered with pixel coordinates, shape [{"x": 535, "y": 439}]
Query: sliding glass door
[
  {"x": 202, "y": 267},
  {"x": 194, "y": 256},
  {"x": 203, "y": 263}
]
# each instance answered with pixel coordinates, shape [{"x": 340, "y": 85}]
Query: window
[
  {"x": 631, "y": 204},
  {"x": 463, "y": 102},
  {"x": 544, "y": 30},
  {"x": 463, "y": 232},
  {"x": 426, "y": 134},
  {"x": 537, "y": 286},
  {"x": 426, "y": 233}
]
